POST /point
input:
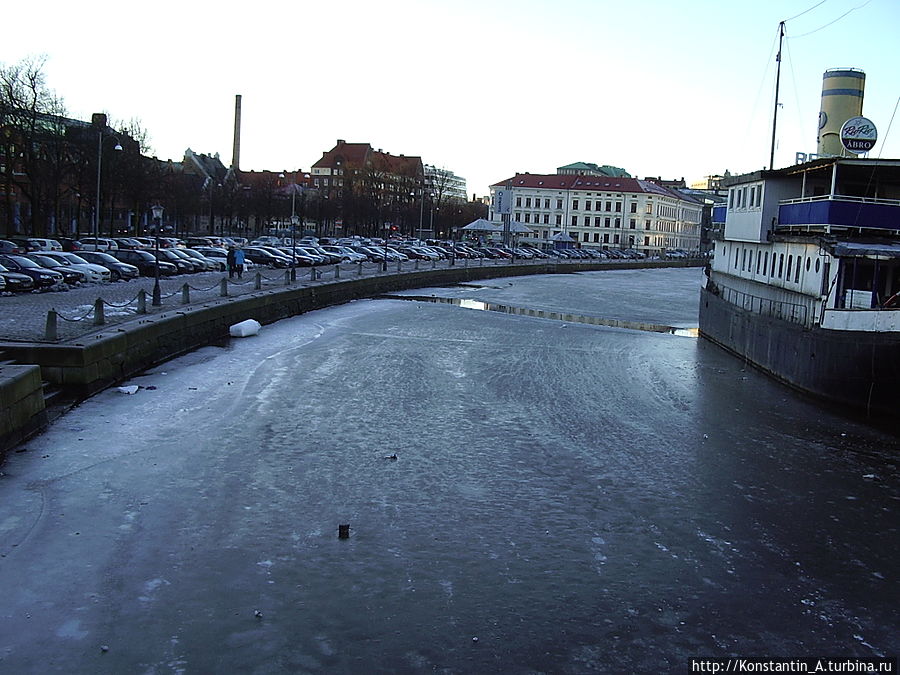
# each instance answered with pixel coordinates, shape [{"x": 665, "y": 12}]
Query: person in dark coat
[{"x": 231, "y": 262}]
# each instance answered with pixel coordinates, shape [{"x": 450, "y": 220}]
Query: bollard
[
  {"x": 433, "y": 263},
  {"x": 344, "y": 531},
  {"x": 142, "y": 302},
  {"x": 337, "y": 271},
  {"x": 50, "y": 333},
  {"x": 399, "y": 266},
  {"x": 257, "y": 283},
  {"x": 416, "y": 266},
  {"x": 287, "y": 277},
  {"x": 360, "y": 269},
  {"x": 185, "y": 295},
  {"x": 223, "y": 287},
  {"x": 467, "y": 261},
  {"x": 99, "y": 319},
  {"x": 312, "y": 274}
]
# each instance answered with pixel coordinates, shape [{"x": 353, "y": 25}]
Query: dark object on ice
[
  {"x": 344, "y": 531},
  {"x": 394, "y": 456}
]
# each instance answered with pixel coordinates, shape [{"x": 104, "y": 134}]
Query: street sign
[{"x": 502, "y": 201}]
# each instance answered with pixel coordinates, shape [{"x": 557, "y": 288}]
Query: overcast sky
[{"x": 485, "y": 88}]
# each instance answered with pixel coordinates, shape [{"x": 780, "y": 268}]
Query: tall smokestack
[
  {"x": 842, "y": 98},
  {"x": 236, "y": 150}
]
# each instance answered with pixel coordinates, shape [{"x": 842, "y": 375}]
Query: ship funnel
[{"x": 842, "y": 98}]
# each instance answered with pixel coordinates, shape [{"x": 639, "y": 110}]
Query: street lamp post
[
  {"x": 157, "y": 292},
  {"x": 117, "y": 147}
]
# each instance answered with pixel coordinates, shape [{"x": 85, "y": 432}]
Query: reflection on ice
[{"x": 468, "y": 303}]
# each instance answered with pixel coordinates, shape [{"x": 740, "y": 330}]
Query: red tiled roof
[
  {"x": 361, "y": 155},
  {"x": 587, "y": 183}
]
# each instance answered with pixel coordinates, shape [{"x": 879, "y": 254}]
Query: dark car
[
  {"x": 11, "y": 247},
  {"x": 129, "y": 242},
  {"x": 117, "y": 268},
  {"x": 262, "y": 257},
  {"x": 16, "y": 281},
  {"x": 145, "y": 262},
  {"x": 167, "y": 255},
  {"x": 30, "y": 244},
  {"x": 70, "y": 276},
  {"x": 195, "y": 264},
  {"x": 42, "y": 277},
  {"x": 71, "y": 245}
]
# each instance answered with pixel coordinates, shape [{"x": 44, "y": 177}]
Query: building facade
[{"x": 602, "y": 212}]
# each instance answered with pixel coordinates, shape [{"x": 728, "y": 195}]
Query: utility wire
[
  {"x": 805, "y": 11},
  {"x": 852, "y": 9},
  {"x": 887, "y": 133}
]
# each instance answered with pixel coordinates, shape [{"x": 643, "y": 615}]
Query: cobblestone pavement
[{"x": 23, "y": 317}]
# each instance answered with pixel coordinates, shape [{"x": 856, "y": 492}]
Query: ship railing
[
  {"x": 841, "y": 198},
  {"x": 778, "y": 309}
]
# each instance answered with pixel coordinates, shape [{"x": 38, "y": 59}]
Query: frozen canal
[{"x": 566, "y": 498}]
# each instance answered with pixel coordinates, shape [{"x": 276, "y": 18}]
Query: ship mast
[{"x": 777, "y": 86}]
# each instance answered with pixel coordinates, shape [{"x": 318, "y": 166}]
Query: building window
[
  {"x": 596, "y": 237},
  {"x": 649, "y": 209},
  {"x": 646, "y": 224},
  {"x": 527, "y": 217},
  {"x": 606, "y": 222},
  {"x": 585, "y": 236},
  {"x": 633, "y": 207},
  {"x": 632, "y": 223},
  {"x": 587, "y": 204},
  {"x": 574, "y": 220},
  {"x": 609, "y": 206},
  {"x": 546, "y": 219},
  {"x": 618, "y": 207},
  {"x": 518, "y": 202},
  {"x": 527, "y": 203},
  {"x": 597, "y": 221},
  {"x": 606, "y": 237},
  {"x": 559, "y": 203},
  {"x": 574, "y": 204},
  {"x": 618, "y": 222},
  {"x": 546, "y": 203},
  {"x": 559, "y": 219},
  {"x": 646, "y": 241}
]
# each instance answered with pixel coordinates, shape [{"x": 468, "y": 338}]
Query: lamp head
[{"x": 157, "y": 211}]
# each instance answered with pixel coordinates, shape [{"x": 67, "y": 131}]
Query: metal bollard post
[
  {"x": 223, "y": 287},
  {"x": 142, "y": 302},
  {"x": 337, "y": 271},
  {"x": 185, "y": 295},
  {"x": 257, "y": 282},
  {"x": 99, "y": 319},
  {"x": 360, "y": 269},
  {"x": 433, "y": 263},
  {"x": 399, "y": 266},
  {"x": 287, "y": 277},
  {"x": 312, "y": 274},
  {"x": 416, "y": 266},
  {"x": 50, "y": 333}
]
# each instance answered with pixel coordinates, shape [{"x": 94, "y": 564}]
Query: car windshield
[
  {"x": 95, "y": 255},
  {"x": 74, "y": 259},
  {"x": 25, "y": 262},
  {"x": 46, "y": 261}
]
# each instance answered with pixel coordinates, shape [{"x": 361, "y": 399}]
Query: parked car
[
  {"x": 94, "y": 273},
  {"x": 47, "y": 244},
  {"x": 98, "y": 244},
  {"x": 11, "y": 247},
  {"x": 16, "y": 282},
  {"x": 70, "y": 245},
  {"x": 184, "y": 264},
  {"x": 71, "y": 276},
  {"x": 42, "y": 277},
  {"x": 145, "y": 262},
  {"x": 129, "y": 242},
  {"x": 347, "y": 254},
  {"x": 117, "y": 269},
  {"x": 261, "y": 256},
  {"x": 28, "y": 244},
  {"x": 208, "y": 265}
]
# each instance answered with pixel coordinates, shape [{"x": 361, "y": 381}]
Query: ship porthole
[
  {"x": 817, "y": 265},
  {"x": 807, "y": 264}
]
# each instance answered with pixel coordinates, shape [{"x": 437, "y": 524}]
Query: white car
[
  {"x": 348, "y": 254},
  {"x": 98, "y": 244},
  {"x": 92, "y": 272}
]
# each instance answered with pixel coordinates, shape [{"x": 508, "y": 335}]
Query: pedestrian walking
[
  {"x": 239, "y": 262},
  {"x": 230, "y": 260}
]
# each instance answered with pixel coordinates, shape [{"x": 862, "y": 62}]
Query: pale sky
[{"x": 485, "y": 88}]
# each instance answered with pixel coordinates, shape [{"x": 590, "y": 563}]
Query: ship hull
[{"x": 856, "y": 369}]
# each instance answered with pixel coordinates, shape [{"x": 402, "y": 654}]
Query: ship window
[
  {"x": 758, "y": 259},
  {"x": 807, "y": 264},
  {"x": 817, "y": 265},
  {"x": 744, "y": 260},
  {"x": 780, "y": 265},
  {"x": 736, "y": 254},
  {"x": 750, "y": 262},
  {"x": 766, "y": 263},
  {"x": 790, "y": 261},
  {"x": 797, "y": 271}
]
